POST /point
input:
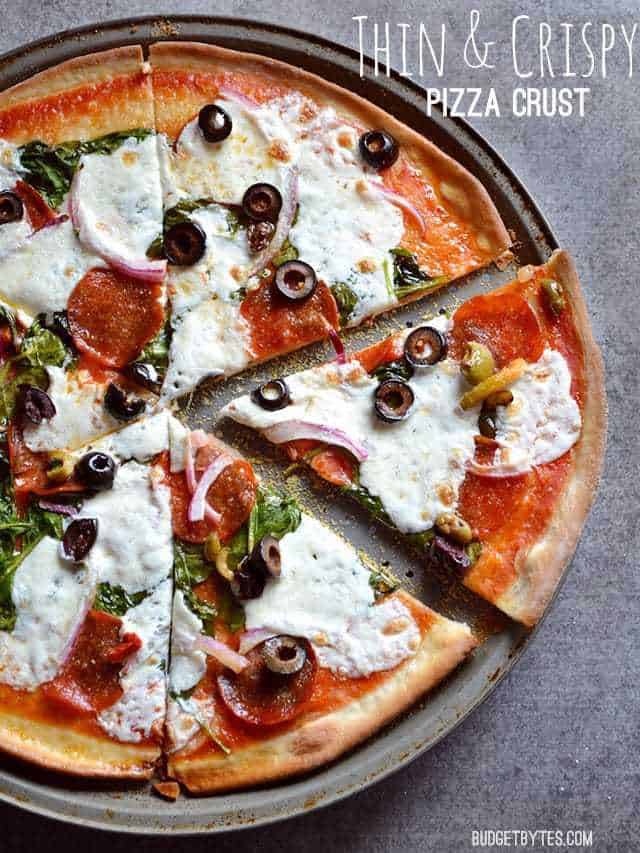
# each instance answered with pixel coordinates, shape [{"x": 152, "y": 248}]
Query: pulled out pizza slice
[
  {"x": 293, "y": 207},
  {"x": 85, "y": 603},
  {"x": 480, "y": 436},
  {"x": 286, "y": 649}
]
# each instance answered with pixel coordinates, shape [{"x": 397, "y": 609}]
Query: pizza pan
[{"x": 132, "y": 808}]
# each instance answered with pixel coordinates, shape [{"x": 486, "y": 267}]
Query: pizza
[{"x": 164, "y": 609}]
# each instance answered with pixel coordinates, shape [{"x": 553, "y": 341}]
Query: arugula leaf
[
  {"x": 288, "y": 252},
  {"x": 50, "y": 169},
  {"x": 115, "y": 599},
  {"x": 408, "y": 277},
  {"x": 273, "y": 514},
  {"x": 346, "y": 299}
]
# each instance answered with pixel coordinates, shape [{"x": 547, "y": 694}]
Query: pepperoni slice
[
  {"x": 259, "y": 697},
  {"x": 90, "y": 680},
  {"x": 279, "y": 325},
  {"x": 504, "y": 322},
  {"x": 112, "y": 317},
  {"x": 38, "y": 211},
  {"x": 232, "y": 495}
]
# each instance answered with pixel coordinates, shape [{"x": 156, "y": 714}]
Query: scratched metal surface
[{"x": 130, "y": 807}]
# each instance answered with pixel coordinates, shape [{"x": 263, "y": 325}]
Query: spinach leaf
[
  {"x": 408, "y": 277},
  {"x": 273, "y": 514},
  {"x": 400, "y": 369},
  {"x": 204, "y": 610},
  {"x": 421, "y": 540},
  {"x": 189, "y": 565},
  {"x": 180, "y": 213},
  {"x": 288, "y": 252},
  {"x": 156, "y": 352},
  {"x": 8, "y": 317},
  {"x": 371, "y": 503},
  {"x": 346, "y": 300},
  {"x": 238, "y": 547},
  {"x": 474, "y": 550},
  {"x": 30, "y": 530},
  {"x": 115, "y": 599},
  {"x": 50, "y": 168},
  {"x": 40, "y": 348},
  {"x": 231, "y": 613}
]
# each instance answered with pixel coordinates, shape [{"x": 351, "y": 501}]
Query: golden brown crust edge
[
  {"x": 539, "y": 570},
  {"x": 56, "y": 747},
  {"x": 322, "y": 739},
  {"x": 81, "y": 98},
  {"x": 461, "y": 189}
]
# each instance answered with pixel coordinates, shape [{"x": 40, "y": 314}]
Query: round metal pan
[{"x": 132, "y": 808}]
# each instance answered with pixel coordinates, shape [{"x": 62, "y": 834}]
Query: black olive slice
[
  {"x": 248, "y": 580},
  {"x": 284, "y": 655},
  {"x": 11, "y": 208},
  {"x": 58, "y": 324},
  {"x": 259, "y": 235},
  {"x": 266, "y": 556},
  {"x": 95, "y": 470},
  {"x": 393, "y": 400},
  {"x": 214, "y": 122},
  {"x": 271, "y": 395},
  {"x": 144, "y": 375},
  {"x": 379, "y": 149},
  {"x": 262, "y": 202},
  {"x": 184, "y": 244},
  {"x": 425, "y": 346},
  {"x": 296, "y": 280},
  {"x": 35, "y": 404},
  {"x": 118, "y": 403},
  {"x": 487, "y": 422},
  {"x": 79, "y": 538}
]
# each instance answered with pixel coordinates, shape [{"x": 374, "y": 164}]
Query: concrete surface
[{"x": 556, "y": 746}]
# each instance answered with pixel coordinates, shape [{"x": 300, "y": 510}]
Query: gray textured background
[{"x": 556, "y": 746}]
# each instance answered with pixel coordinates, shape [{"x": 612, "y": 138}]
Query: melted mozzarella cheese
[
  {"x": 212, "y": 339},
  {"x": 415, "y": 466},
  {"x": 220, "y": 271},
  {"x": 118, "y": 198},
  {"x": 80, "y": 413},
  {"x": 186, "y": 718},
  {"x": 225, "y": 169},
  {"x": 12, "y": 234},
  {"x": 142, "y": 705},
  {"x": 188, "y": 664},
  {"x": 323, "y": 593},
  {"x": 178, "y": 433},
  {"x": 134, "y": 545},
  {"x": 49, "y": 594},
  {"x": 543, "y": 421},
  {"x": 141, "y": 440},
  {"x": 40, "y": 274}
]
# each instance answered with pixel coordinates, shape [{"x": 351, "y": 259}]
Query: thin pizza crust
[
  {"x": 316, "y": 741},
  {"x": 56, "y": 746},
  {"x": 540, "y": 566},
  {"x": 176, "y": 105},
  {"x": 82, "y": 98}
]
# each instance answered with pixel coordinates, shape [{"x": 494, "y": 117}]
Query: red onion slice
[
  {"x": 285, "y": 221},
  {"x": 198, "y": 505},
  {"x": 231, "y": 94},
  {"x": 338, "y": 346},
  {"x": 221, "y": 652},
  {"x": 294, "y": 430},
  {"x": 141, "y": 269},
  {"x": 401, "y": 202},
  {"x": 253, "y": 637},
  {"x": 61, "y": 509}
]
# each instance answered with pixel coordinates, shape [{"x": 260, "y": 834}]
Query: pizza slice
[
  {"x": 80, "y": 199},
  {"x": 85, "y": 603},
  {"x": 287, "y": 649},
  {"x": 480, "y": 436},
  {"x": 293, "y": 207}
]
